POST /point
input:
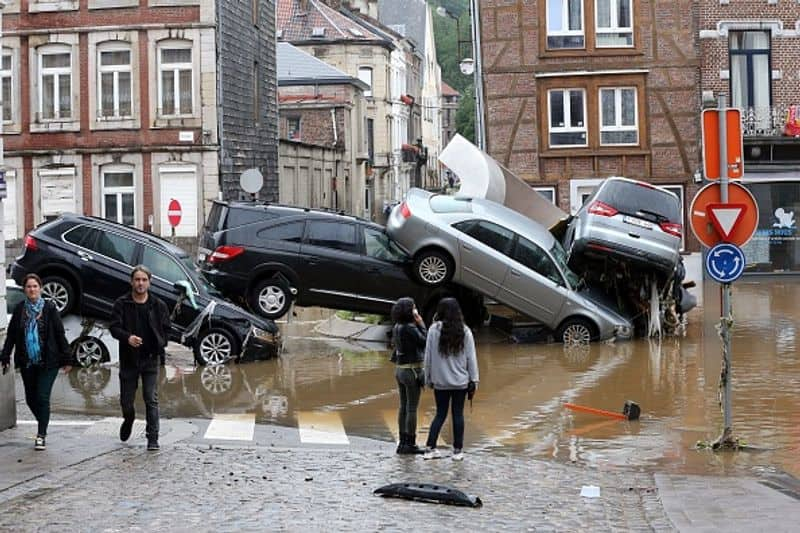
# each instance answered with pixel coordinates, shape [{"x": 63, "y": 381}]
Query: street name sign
[{"x": 725, "y": 262}]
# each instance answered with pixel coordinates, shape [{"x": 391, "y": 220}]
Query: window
[
  {"x": 291, "y": 232},
  {"x": 293, "y": 128},
  {"x": 567, "y": 109},
  {"x": 57, "y": 190},
  {"x": 114, "y": 82},
  {"x": 333, "y": 235},
  {"x": 365, "y": 75},
  {"x": 163, "y": 266},
  {"x": 565, "y": 24},
  {"x": 536, "y": 259},
  {"x": 176, "y": 79},
  {"x": 750, "y": 73},
  {"x": 55, "y": 83},
  {"x": 380, "y": 246},
  {"x": 548, "y": 193},
  {"x": 618, "y": 116},
  {"x": 492, "y": 235},
  {"x": 118, "y": 195},
  {"x": 81, "y": 235},
  {"x": 6, "y": 85},
  {"x": 115, "y": 247},
  {"x": 614, "y": 23}
]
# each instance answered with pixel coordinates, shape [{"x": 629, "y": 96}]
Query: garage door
[{"x": 179, "y": 183}]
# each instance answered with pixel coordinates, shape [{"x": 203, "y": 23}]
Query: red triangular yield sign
[{"x": 725, "y": 217}]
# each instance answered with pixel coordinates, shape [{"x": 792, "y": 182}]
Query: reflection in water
[{"x": 519, "y": 404}]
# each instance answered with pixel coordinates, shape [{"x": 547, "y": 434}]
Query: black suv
[
  {"x": 85, "y": 264},
  {"x": 269, "y": 255}
]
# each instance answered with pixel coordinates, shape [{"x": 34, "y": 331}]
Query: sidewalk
[{"x": 88, "y": 480}]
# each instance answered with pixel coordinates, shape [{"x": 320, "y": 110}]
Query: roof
[
  {"x": 320, "y": 23},
  {"x": 296, "y": 67},
  {"x": 406, "y": 17},
  {"x": 449, "y": 91}
]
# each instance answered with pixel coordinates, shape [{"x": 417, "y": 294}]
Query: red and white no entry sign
[{"x": 174, "y": 212}]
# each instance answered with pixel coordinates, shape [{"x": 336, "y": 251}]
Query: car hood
[
  {"x": 225, "y": 309},
  {"x": 482, "y": 176}
]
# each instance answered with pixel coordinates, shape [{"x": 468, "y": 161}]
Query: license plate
[{"x": 637, "y": 222}]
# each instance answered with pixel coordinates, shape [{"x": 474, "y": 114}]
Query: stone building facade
[
  {"x": 579, "y": 91},
  {"x": 115, "y": 107}
]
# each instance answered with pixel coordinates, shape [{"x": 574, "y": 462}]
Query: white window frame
[
  {"x": 57, "y": 72},
  {"x": 8, "y": 73},
  {"x": 115, "y": 70},
  {"x": 118, "y": 192},
  {"x": 614, "y": 28},
  {"x": 176, "y": 69},
  {"x": 565, "y": 18},
  {"x": 365, "y": 75},
  {"x": 567, "y": 119},
  {"x": 551, "y": 190},
  {"x": 618, "y": 126}
]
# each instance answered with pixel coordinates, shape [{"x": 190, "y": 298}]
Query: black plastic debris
[
  {"x": 631, "y": 410},
  {"x": 427, "y": 492}
]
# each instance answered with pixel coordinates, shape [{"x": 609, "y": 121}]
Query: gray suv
[
  {"x": 505, "y": 256},
  {"x": 628, "y": 222}
]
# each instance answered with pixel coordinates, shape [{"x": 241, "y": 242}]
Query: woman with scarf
[{"x": 36, "y": 336}]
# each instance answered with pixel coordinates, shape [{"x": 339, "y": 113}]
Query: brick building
[
  {"x": 114, "y": 107},
  {"x": 576, "y": 91},
  {"x": 751, "y": 53}
]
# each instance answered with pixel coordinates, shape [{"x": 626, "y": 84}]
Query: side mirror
[{"x": 184, "y": 290}]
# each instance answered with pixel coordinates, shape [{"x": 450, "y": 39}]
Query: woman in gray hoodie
[{"x": 450, "y": 366}]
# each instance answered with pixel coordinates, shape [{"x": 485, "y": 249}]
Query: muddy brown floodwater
[{"x": 519, "y": 405}]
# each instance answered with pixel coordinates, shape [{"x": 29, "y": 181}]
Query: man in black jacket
[{"x": 140, "y": 322}]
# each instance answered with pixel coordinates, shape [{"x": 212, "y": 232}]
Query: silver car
[
  {"x": 630, "y": 222},
  {"x": 505, "y": 256}
]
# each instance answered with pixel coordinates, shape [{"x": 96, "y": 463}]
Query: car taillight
[
  {"x": 405, "y": 211},
  {"x": 603, "y": 209},
  {"x": 672, "y": 228},
  {"x": 225, "y": 253},
  {"x": 30, "y": 243}
]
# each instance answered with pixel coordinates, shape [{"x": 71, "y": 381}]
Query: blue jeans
[
  {"x": 38, "y": 382},
  {"x": 443, "y": 398},
  {"x": 409, "y": 399}
]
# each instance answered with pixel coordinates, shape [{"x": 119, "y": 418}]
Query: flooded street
[{"x": 519, "y": 405}]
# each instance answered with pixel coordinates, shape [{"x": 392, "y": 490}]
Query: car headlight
[{"x": 263, "y": 335}]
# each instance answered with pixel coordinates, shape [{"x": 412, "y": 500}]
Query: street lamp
[{"x": 466, "y": 64}]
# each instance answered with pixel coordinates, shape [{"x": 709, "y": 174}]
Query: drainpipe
[{"x": 480, "y": 127}]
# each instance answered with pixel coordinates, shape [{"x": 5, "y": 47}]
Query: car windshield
[
  {"x": 560, "y": 257},
  {"x": 197, "y": 276}
]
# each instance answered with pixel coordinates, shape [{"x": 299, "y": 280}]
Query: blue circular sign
[{"x": 725, "y": 262}]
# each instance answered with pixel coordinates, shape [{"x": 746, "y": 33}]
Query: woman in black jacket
[
  {"x": 36, "y": 336},
  {"x": 408, "y": 337}
]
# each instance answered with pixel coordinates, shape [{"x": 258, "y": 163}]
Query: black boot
[
  {"x": 401, "y": 445},
  {"x": 412, "y": 445},
  {"x": 408, "y": 445}
]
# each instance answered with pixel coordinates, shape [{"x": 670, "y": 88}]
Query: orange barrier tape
[{"x": 592, "y": 410}]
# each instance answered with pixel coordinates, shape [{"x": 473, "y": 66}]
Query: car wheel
[
  {"x": 575, "y": 331},
  {"x": 89, "y": 351},
  {"x": 60, "y": 292},
  {"x": 214, "y": 346},
  {"x": 433, "y": 268},
  {"x": 271, "y": 298},
  {"x": 91, "y": 380}
]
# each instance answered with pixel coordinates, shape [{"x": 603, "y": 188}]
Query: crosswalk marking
[
  {"x": 321, "y": 428},
  {"x": 231, "y": 427},
  {"x": 57, "y": 422}
]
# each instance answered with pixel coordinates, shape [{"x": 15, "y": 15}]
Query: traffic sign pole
[{"x": 726, "y": 440}]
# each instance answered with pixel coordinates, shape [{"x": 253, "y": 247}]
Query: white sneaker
[
  {"x": 433, "y": 453},
  {"x": 458, "y": 455}
]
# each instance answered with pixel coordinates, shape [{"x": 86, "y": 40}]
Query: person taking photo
[{"x": 408, "y": 337}]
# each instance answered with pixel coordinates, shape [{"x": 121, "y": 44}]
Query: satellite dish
[{"x": 251, "y": 180}]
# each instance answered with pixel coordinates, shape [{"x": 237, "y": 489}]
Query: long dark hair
[
  {"x": 403, "y": 310},
  {"x": 451, "y": 339}
]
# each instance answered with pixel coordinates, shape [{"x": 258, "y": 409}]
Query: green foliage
[{"x": 465, "y": 116}]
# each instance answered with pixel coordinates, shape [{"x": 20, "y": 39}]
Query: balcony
[{"x": 771, "y": 138}]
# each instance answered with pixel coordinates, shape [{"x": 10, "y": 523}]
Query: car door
[
  {"x": 385, "y": 272},
  {"x": 533, "y": 284},
  {"x": 330, "y": 271},
  {"x": 483, "y": 247},
  {"x": 107, "y": 260}
]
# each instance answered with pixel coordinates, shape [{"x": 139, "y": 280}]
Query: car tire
[
  {"x": 59, "y": 291},
  {"x": 271, "y": 298},
  {"x": 576, "y": 330},
  {"x": 215, "y": 346},
  {"x": 89, "y": 351},
  {"x": 433, "y": 268}
]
